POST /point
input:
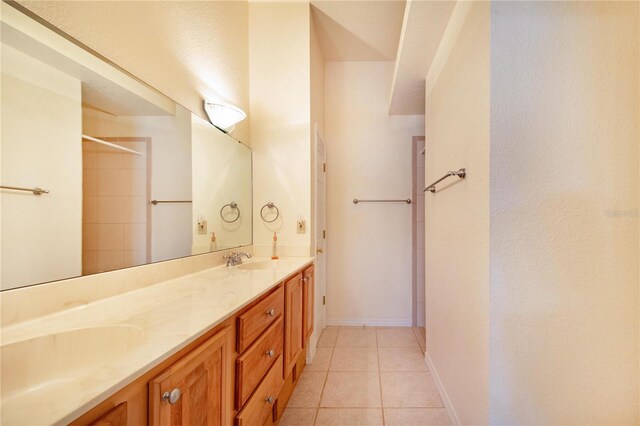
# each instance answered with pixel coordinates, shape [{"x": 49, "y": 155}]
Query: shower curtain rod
[{"x": 109, "y": 144}]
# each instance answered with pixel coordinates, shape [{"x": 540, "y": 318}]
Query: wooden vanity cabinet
[
  {"x": 293, "y": 322},
  {"x": 242, "y": 371},
  {"x": 308, "y": 280},
  {"x": 193, "y": 390}
]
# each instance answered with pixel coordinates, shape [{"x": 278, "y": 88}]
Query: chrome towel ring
[
  {"x": 234, "y": 206},
  {"x": 271, "y": 206}
]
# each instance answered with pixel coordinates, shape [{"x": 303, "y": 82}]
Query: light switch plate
[
  {"x": 301, "y": 226},
  {"x": 202, "y": 227}
]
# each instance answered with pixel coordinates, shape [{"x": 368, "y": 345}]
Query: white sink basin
[
  {"x": 43, "y": 363},
  {"x": 262, "y": 265}
]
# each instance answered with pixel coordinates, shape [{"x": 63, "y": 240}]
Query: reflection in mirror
[
  {"x": 104, "y": 146},
  {"x": 119, "y": 226},
  {"x": 221, "y": 190}
]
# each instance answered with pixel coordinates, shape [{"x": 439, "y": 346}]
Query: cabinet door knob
[
  {"x": 173, "y": 396},
  {"x": 269, "y": 400},
  {"x": 271, "y": 312},
  {"x": 270, "y": 353},
  {"x": 319, "y": 251}
]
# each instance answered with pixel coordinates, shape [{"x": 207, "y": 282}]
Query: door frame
[{"x": 319, "y": 148}]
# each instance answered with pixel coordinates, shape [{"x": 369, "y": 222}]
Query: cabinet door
[
  {"x": 193, "y": 391},
  {"x": 293, "y": 339},
  {"x": 309, "y": 288},
  {"x": 117, "y": 416}
]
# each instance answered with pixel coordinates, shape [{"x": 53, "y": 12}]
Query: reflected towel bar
[
  {"x": 407, "y": 200},
  {"x": 233, "y": 206},
  {"x": 35, "y": 191},
  {"x": 462, "y": 173},
  {"x": 156, "y": 202}
]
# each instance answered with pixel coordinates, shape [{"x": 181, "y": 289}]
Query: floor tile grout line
[
  {"x": 380, "y": 371},
  {"x": 324, "y": 384},
  {"x": 431, "y": 407},
  {"x": 379, "y": 376},
  {"x": 415, "y": 333},
  {"x": 382, "y": 407}
]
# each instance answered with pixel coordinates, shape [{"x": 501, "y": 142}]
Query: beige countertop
[{"x": 56, "y": 367}]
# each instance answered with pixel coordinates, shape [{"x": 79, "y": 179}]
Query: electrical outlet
[
  {"x": 202, "y": 227},
  {"x": 300, "y": 226}
]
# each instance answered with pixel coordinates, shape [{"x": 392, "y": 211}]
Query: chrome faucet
[{"x": 235, "y": 258}]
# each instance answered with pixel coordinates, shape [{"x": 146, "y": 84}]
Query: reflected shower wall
[
  {"x": 115, "y": 216},
  {"x": 168, "y": 158}
]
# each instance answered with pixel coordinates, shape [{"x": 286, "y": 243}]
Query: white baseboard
[
  {"x": 453, "y": 416},
  {"x": 371, "y": 322},
  {"x": 311, "y": 353},
  {"x": 313, "y": 344}
]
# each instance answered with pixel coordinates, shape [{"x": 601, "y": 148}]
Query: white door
[{"x": 321, "y": 220}]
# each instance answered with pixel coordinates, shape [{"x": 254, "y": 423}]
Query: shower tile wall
[{"x": 115, "y": 214}]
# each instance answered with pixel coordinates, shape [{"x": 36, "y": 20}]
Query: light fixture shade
[{"x": 223, "y": 116}]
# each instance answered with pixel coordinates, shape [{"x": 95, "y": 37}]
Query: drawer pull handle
[
  {"x": 172, "y": 397},
  {"x": 270, "y": 353},
  {"x": 271, "y": 312},
  {"x": 269, "y": 400}
]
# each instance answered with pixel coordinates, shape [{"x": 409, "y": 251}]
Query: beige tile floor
[{"x": 367, "y": 376}]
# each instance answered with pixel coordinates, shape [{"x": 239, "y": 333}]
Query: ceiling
[
  {"x": 424, "y": 25},
  {"x": 407, "y": 32},
  {"x": 358, "y": 30}
]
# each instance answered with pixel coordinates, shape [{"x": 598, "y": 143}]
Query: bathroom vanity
[
  {"x": 221, "y": 346},
  {"x": 127, "y": 320}
]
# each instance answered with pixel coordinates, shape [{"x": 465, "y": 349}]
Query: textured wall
[
  {"x": 189, "y": 50},
  {"x": 368, "y": 156},
  {"x": 564, "y": 189}
]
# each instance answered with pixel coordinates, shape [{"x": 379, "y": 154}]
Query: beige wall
[
  {"x": 457, "y": 221},
  {"x": 563, "y": 235},
  {"x": 317, "y": 113},
  {"x": 41, "y": 147},
  {"x": 368, "y": 156},
  {"x": 281, "y": 131},
  {"x": 187, "y": 50},
  {"x": 564, "y": 202}
]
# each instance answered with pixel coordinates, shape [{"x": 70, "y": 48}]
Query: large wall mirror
[{"x": 126, "y": 176}]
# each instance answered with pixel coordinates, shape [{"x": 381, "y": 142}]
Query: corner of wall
[
  {"x": 448, "y": 404},
  {"x": 280, "y": 127}
]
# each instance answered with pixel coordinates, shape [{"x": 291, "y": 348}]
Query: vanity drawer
[
  {"x": 254, "y": 363},
  {"x": 260, "y": 405},
  {"x": 253, "y": 322}
]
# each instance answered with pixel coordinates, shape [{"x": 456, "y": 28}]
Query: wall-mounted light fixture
[{"x": 224, "y": 117}]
